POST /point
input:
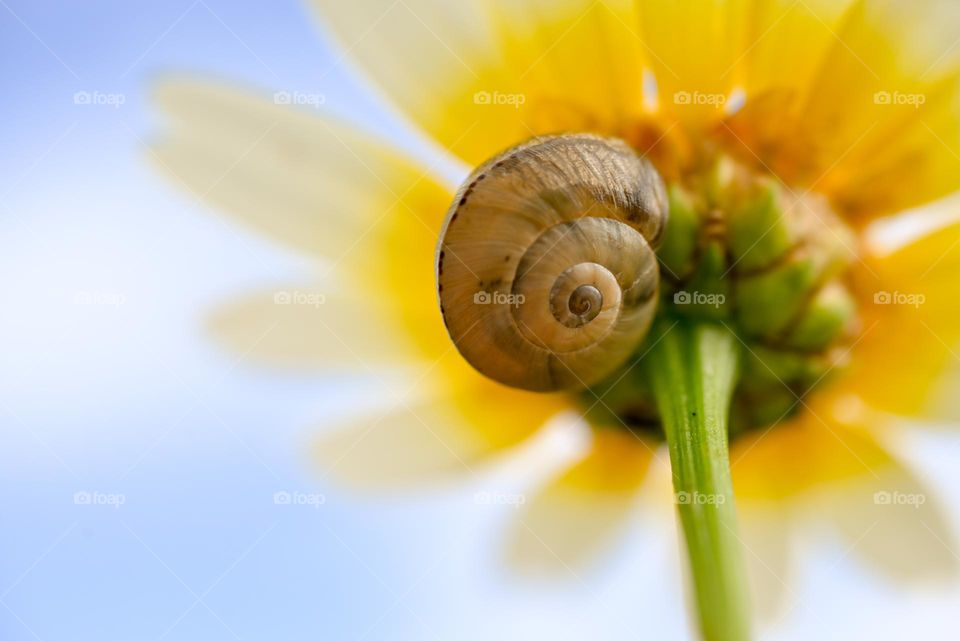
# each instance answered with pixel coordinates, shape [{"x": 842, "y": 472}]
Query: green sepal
[
  {"x": 769, "y": 300},
  {"x": 760, "y": 230},
  {"x": 767, "y": 367},
  {"x": 825, "y": 318},
  {"x": 679, "y": 244},
  {"x": 706, "y": 295}
]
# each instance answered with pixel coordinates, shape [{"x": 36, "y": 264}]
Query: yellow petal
[
  {"x": 450, "y": 433},
  {"x": 310, "y": 182},
  {"x": 482, "y": 76},
  {"x": 696, "y": 50},
  {"x": 877, "y": 126},
  {"x": 909, "y": 310},
  {"x": 432, "y": 58},
  {"x": 829, "y": 462},
  {"x": 903, "y": 162},
  {"x": 319, "y": 186},
  {"x": 579, "y": 515},
  {"x": 578, "y": 62},
  {"x": 843, "y": 475},
  {"x": 786, "y": 43},
  {"x": 897, "y": 363},
  {"x": 829, "y": 440},
  {"x": 785, "y": 47},
  {"x": 891, "y": 522},
  {"x": 882, "y": 45},
  {"x": 926, "y": 267},
  {"x": 943, "y": 406},
  {"x": 764, "y": 533},
  {"x": 313, "y": 326}
]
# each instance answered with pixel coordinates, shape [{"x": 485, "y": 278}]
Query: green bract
[{"x": 744, "y": 251}]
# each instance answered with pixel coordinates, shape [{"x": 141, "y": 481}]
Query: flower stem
[{"x": 693, "y": 369}]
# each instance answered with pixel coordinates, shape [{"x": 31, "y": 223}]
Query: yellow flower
[{"x": 858, "y": 101}]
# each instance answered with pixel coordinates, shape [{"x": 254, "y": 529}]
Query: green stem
[{"x": 693, "y": 369}]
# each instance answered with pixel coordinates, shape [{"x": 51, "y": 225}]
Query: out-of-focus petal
[
  {"x": 885, "y": 52},
  {"x": 829, "y": 440},
  {"x": 876, "y": 127},
  {"x": 786, "y": 42},
  {"x": 765, "y": 530},
  {"x": 431, "y": 58},
  {"x": 843, "y": 475},
  {"x": 578, "y": 61},
  {"x": 446, "y": 430},
  {"x": 319, "y": 186},
  {"x": 925, "y": 266},
  {"x": 696, "y": 50},
  {"x": 904, "y": 162},
  {"x": 785, "y": 46},
  {"x": 579, "y": 514},
  {"x": 481, "y": 76},
  {"x": 832, "y": 461},
  {"x": 896, "y": 364},
  {"x": 909, "y": 312},
  {"x": 311, "y": 182},
  {"x": 312, "y": 326},
  {"x": 891, "y": 522}
]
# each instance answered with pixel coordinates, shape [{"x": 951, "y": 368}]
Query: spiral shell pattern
[{"x": 546, "y": 272}]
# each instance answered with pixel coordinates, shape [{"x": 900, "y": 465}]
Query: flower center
[{"x": 769, "y": 262}]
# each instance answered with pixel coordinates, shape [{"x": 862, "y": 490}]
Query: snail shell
[{"x": 545, "y": 267}]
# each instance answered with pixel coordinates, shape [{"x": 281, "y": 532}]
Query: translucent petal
[
  {"x": 891, "y": 522},
  {"x": 909, "y": 313},
  {"x": 578, "y": 516},
  {"x": 876, "y": 125},
  {"x": 316, "y": 185},
  {"x": 830, "y": 439},
  {"x": 578, "y": 62},
  {"x": 312, "y": 183},
  {"x": 312, "y": 325},
  {"x": 786, "y": 43},
  {"x": 765, "y": 530},
  {"x": 482, "y": 76},
  {"x": 696, "y": 50},
  {"x": 454, "y": 430}
]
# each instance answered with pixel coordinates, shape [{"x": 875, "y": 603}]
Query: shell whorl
[{"x": 546, "y": 271}]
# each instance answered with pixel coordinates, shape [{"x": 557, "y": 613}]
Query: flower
[{"x": 852, "y": 102}]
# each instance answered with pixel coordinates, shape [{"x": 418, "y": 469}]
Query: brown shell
[{"x": 546, "y": 270}]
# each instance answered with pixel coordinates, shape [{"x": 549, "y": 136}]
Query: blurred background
[{"x": 140, "y": 464}]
